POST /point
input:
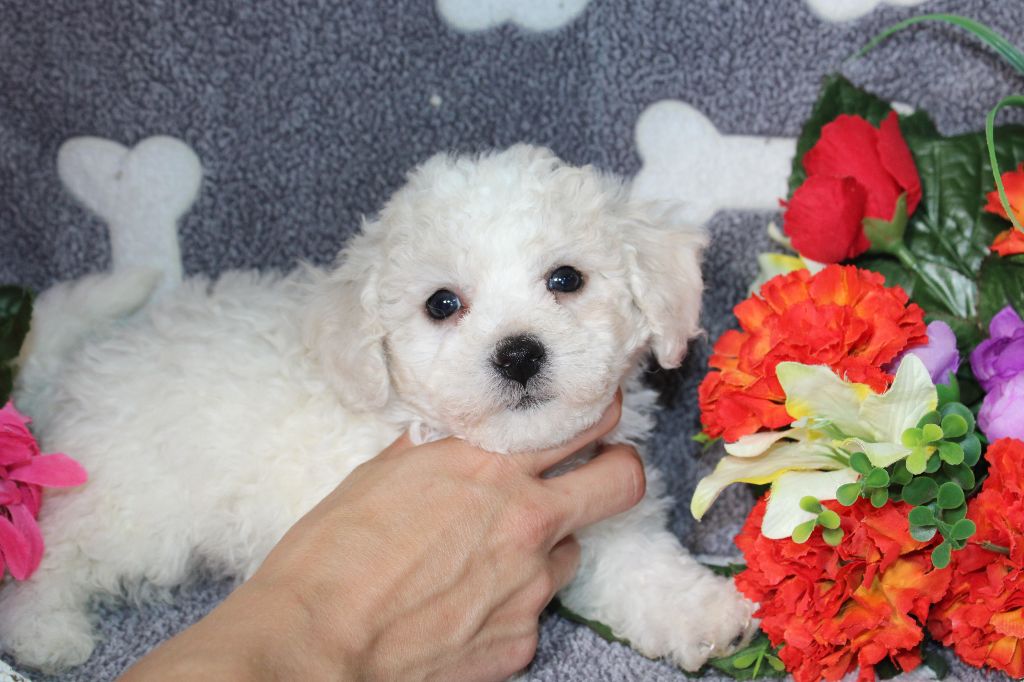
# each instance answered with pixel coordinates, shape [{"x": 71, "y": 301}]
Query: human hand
[{"x": 427, "y": 562}]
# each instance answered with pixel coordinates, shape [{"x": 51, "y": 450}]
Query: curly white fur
[{"x": 214, "y": 417}]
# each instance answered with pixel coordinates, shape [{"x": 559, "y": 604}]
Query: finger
[
  {"x": 607, "y": 485},
  {"x": 540, "y": 461},
  {"x": 565, "y": 559}
]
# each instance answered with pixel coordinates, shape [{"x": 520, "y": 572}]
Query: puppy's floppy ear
[
  {"x": 663, "y": 256},
  {"x": 342, "y": 328}
]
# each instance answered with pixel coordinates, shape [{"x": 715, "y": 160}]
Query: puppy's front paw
[
  {"x": 711, "y": 620},
  {"x": 52, "y": 641}
]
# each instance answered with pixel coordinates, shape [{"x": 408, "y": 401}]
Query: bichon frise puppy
[{"x": 502, "y": 298}]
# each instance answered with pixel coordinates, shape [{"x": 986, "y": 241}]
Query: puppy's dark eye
[
  {"x": 443, "y": 303},
  {"x": 565, "y": 279}
]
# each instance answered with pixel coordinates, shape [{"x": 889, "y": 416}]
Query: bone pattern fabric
[{"x": 306, "y": 115}]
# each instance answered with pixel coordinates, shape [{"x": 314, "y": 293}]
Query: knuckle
[
  {"x": 540, "y": 591},
  {"x": 532, "y": 524},
  {"x": 522, "y": 650}
]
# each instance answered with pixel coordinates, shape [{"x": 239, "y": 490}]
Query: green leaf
[
  {"x": 950, "y": 496},
  {"x": 15, "y": 316},
  {"x": 951, "y": 516},
  {"x": 6, "y": 385},
  {"x": 941, "y": 555},
  {"x": 949, "y": 392},
  {"x": 13, "y": 300},
  {"x": 886, "y": 235},
  {"x": 832, "y": 536},
  {"x": 900, "y": 475},
  {"x": 913, "y": 437},
  {"x": 921, "y": 490},
  {"x": 937, "y": 663},
  {"x": 761, "y": 650},
  {"x": 972, "y": 451},
  {"x": 931, "y": 433},
  {"x": 953, "y": 426},
  {"x": 828, "y": 519},
  {"x": 922, "y": 533},
  {"x": 848, "y": 493},
  {"x": 885, "y": 669},
  {"x": 878, "y": 478},
  {"x": 949, "y": 233},
  {"x": 895, "y": 274},
  {"x": 810, "y": 504},
  {"x": 962, "y": 529},
  {"x": 970, "y": 389},
  {"x": 802, "y": 533},
  {"x": 951, "y": 453},
  {"x": 962, "y": 474},
  {"x": 745, "y": 660},
  {"x": 917, "y": 461},
  {"x": 921, "y": 516},
  {"x": 729, "y": 570},
  {"x": 705, "y": 441},
  {"x": 879, "y": 497},
  {"x": 1001, "y": 284},
  {"x": 600, "y": 628},
  {"x": 860, "y": 463}
]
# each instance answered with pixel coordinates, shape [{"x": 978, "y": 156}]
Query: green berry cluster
[
  {"x": 935, "y": 478},
  {"x": 873, "y": 483},
  {"x": 826, "y": 518},
  {"x": 939, "y": 479}
]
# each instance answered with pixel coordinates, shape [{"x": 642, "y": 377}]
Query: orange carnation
[
  {"x": 843, "y": 317},
  {"x": 982, "y": 615},
  {"x": 1009, "y": 242},
  {"x": 1013, "y": 183},
  {"x": 834, "y": 609}
]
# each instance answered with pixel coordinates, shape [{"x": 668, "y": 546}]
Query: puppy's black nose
[{"x": 519, "y": 357}]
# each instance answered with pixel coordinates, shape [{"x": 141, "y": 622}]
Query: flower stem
[{"x": 998, "y": 549}]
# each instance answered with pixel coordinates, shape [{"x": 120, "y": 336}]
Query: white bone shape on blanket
[
  {"x": 140, "y": 193},
  {"x": 533, "y": 15},
  {"x": 687, "y": 162},
  {"x": 847, "y": 10}
]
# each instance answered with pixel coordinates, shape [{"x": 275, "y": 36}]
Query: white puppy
[{"x": 502, "y": 298}]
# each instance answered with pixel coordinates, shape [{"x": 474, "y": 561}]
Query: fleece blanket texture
[{"x": 306, "y": 115}]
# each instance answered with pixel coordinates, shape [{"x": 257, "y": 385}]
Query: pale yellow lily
[{"x": 833, "y": 418}]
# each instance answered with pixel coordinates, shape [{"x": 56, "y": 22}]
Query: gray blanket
[{"x": 306, "y": 115}]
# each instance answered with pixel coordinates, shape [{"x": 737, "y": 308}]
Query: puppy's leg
[
  {"x": 44, "y": 621},
  {"x": 635, "y": 577}
]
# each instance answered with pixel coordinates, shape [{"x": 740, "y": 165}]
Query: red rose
[
  {"x": 982, "y": 614},
  {"x": 854, "y": 171}
]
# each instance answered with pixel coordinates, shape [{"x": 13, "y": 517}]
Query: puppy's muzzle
[{"x": 518, "y": 358}]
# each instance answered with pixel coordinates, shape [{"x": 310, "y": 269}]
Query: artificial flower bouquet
[{"x": 876, "y": 386}]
